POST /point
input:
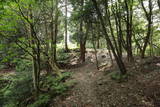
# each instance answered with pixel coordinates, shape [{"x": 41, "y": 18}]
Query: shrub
[
  {"x": 23, "y": 65},
  {"x": 3, "y": 83},
  {"x": 42, "y": 101},
  {"x": 19, "y": 89},
  {"x": 63, "y": 56},
  {"x": 56, "y": 84}
]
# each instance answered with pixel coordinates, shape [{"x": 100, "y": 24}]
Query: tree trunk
[
  {"x": 158, "y": 1},
  {"x": 98, "y": 46},
  {"x": 82, "y": 52},
  {"x": 35, "y": 43},
  {"x": 52, "y": 33},
  {"x": 117, "y": 18},
  {"x": 82, "y": 45},
  {"x": 128, "y": 6},
  {"x": 94, "y": 47},
  {"x": 149, "y": 32},
  {"x": 35, "y": 78},
  {"x": 56, "y": 32},
  {"x": 98, "y": 41},
  {"x": 66, "y": 30},
  {"x": 118, "y": 60}
]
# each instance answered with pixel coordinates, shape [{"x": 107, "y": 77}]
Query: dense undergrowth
[{"x": 16, "y": 88}]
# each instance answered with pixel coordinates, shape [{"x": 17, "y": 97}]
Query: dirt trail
[
  {"x": 95, "y": 88},
  {"x": 84, "y": 93},
  {"x": 86, "y": 76}
]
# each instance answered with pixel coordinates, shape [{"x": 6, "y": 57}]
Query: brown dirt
[
  {"x": 96, "y": 88},
  {"x": 84, "y": 92}
]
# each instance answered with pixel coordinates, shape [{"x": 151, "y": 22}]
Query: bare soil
[{"x": 95, "y": 88}]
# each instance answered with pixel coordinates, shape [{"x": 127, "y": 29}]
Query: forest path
[
  {"x": 84, "y": 93},
  {"x": 87, "y": 78},
  {"x": 95, "y": 88}
]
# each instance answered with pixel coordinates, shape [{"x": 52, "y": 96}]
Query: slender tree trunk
[
  {"x": 47, "y": 46},
  {"x": 94, "y": 46},
  {"x": 46, "y": 37},
  {"x": 35, "y": 43},
  {"x": 118, "y": 60},
  {"x": 137, "y": 44},
  {"x": 149, "y": 30},
  {"x": 146, "y": 40},
  {"x": 128, "y": 6},
  {"x": 117, "y": 18},
  {"x": 34, "y": 66},
  {"x": 98, "y": 46},
  {"x": 98, "y": 36},
  {"x": 52, "y": 33},
  {"x": 120, "y": 36},
  {"x": 82, "y": 51},
  {"x": 56, "y": 31},
  {"x": 108, "y": 18},
  {"x": 158, "y": 1},
  {"x": 110, "y": 54},
  {"x": 66, "y": 24},
  {"x": 38, "y": 63},
  {"x": 82, "y": 45}
]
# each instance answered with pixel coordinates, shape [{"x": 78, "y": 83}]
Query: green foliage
[
  {"x": 58, "y": 79},
  {"x": 61, "y": 56},
  {"x": 23, "y": 65},
  {"x": 3, "y": 83},
  {"x": 55, "y": 85},
  {"x": 19, "y": 89},
  {"x": 41, "y": 101},
  {"x": 8, "y": 53}
]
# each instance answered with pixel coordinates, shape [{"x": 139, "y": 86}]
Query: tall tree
[
  {"x": 34, "y": 43},
  {"x": 129, "y": 21},
  {"x": 82, "y": 41},
  {"x": 117, "y": 58},
  {"x": 54, "y": 33},
  {"x": 148, "y": 15},
  {"x": 66, "y": 25},
  {"x": 116, "y": 10}
]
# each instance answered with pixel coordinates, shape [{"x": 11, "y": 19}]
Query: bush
[
  {"x": 63, "y": 56},
  {"x": 23, "y": 65},
  {"x": 42, "y": 101},
  {"x": 19, "y": 89},
  {"x": 56, "y": 84},
  {"x": 3, "y": 83}
]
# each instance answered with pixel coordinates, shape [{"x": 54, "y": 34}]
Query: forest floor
[{"x": 95, "y": 88}]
